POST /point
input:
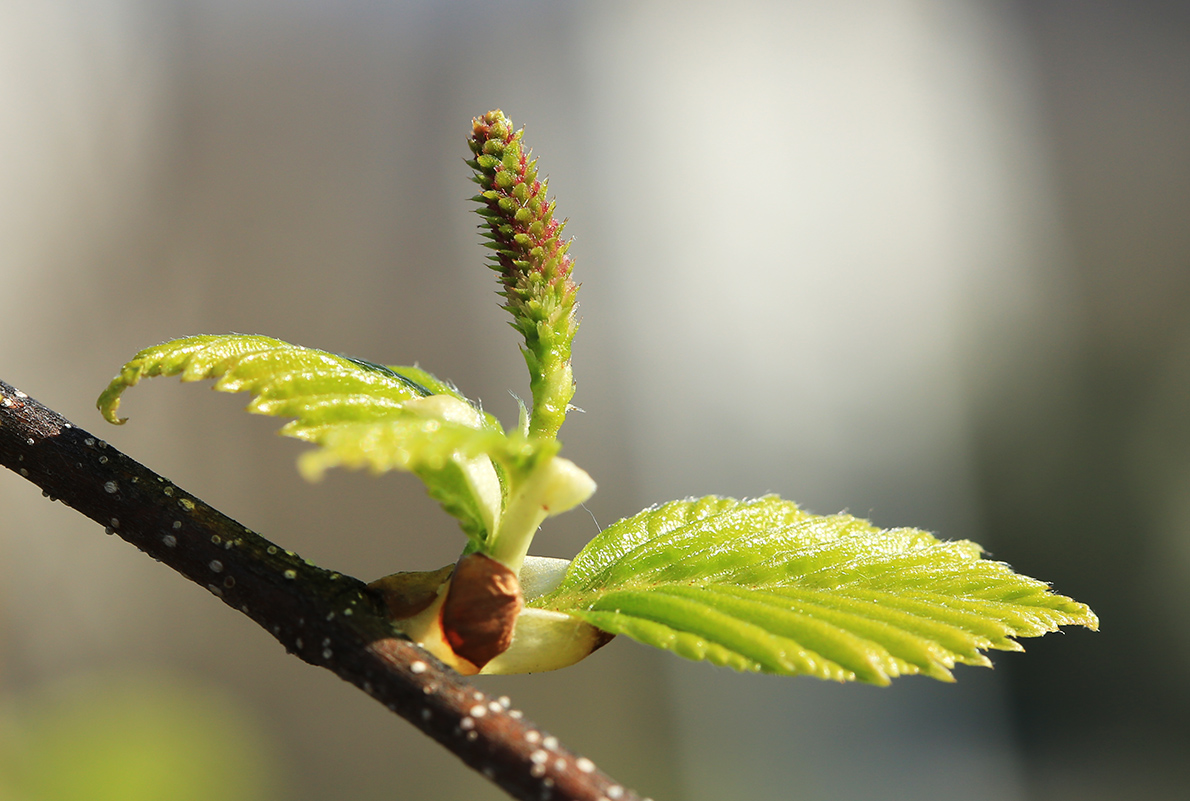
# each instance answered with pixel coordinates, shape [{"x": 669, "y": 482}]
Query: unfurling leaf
[
  {"x": 763, "y": 586},
  {"x": 361, "y": 414}
]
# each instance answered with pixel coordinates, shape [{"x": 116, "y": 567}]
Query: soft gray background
[{"x": 926, "y": 261}]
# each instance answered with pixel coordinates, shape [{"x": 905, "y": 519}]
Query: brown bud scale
[{"x": 481, "y": 609}]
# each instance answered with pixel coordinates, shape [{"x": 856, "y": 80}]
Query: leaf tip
[
  {"x": 940, "y": 673},
  {"x": 108, "y": 403},
  {"x": 313, "y": 465}
]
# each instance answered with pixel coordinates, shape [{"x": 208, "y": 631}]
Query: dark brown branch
[{"x": 324, "y": 618}]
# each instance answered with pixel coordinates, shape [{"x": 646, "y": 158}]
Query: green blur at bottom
[{"x": 134, "y": 738}]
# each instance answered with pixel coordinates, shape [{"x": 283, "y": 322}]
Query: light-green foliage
[
  {"x": 361, "y": 414},
  {"x": 763, "y": 586},
  {"x": 755, "y": 585}
]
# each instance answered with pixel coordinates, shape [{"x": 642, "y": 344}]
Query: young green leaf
[
  {"x": 314, "y": 386},
  {"x": 761, "y": 585},
  {"x": 362, "y": 414}
]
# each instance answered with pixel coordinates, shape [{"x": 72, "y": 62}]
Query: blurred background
[{"x": 924, "y": 260}]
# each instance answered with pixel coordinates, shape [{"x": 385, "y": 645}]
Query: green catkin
[{"x": 531, "y": 260}]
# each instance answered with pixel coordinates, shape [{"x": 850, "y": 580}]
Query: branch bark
[{"x": 322, "y": 617}]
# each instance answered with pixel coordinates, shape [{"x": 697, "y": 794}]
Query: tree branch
[{"x": 322, "y": 617}]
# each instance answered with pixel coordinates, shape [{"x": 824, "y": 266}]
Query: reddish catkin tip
[{"x": 521, "y": 224}]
